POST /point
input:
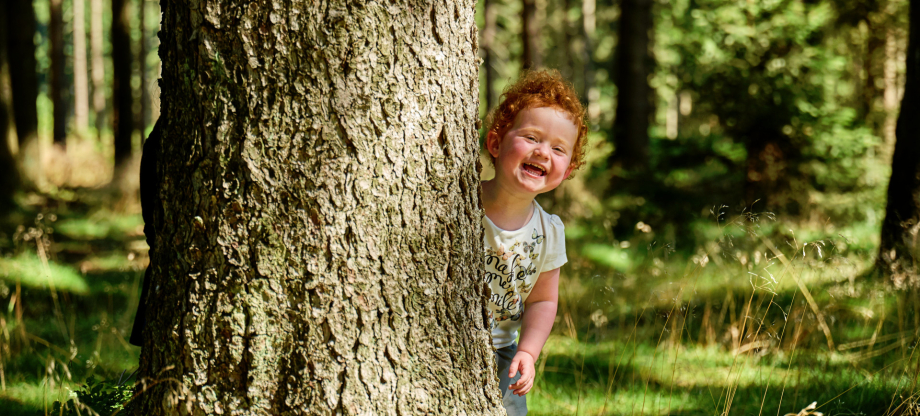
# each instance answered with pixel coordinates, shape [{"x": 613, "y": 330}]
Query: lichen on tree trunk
[{"x": 318, "y": 238}]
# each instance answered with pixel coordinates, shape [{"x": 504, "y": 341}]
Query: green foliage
[{"x": 96, "y": 397}]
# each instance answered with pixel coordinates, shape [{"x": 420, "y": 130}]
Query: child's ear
[
  {"x": 568, "y": 172},
  {"x": 493, "y": 143}
]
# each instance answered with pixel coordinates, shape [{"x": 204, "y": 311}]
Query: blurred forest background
[{"x": 722, "y": 238}]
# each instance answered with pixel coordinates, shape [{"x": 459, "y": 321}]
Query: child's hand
[{"x": 522, "y": 362}]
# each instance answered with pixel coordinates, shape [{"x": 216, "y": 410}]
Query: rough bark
[
  {"x": 98, "y": 68},
  {"x": 24, "y": 86},
  {"x": 122, "y": 108},
  {"x": 899, "y": 251},
  {"x": 530, "y": 36},
  {"x": 56, "y": 86},
  {"x": 632, "y": 66},
  {"x": 318, "y": 241},
  {"x": 80, "y": 79}
]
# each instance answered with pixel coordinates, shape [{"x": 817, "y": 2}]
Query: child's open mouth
[{"x": 534, "y": 170}]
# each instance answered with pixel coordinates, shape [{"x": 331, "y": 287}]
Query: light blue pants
[{"x": 515, "y": 405}]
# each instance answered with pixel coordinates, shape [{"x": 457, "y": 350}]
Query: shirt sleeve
[{"x": 555, "y": 248}]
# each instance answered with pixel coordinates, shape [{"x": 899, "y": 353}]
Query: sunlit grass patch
[
  {"x": 32, "y": 397},
  {"x": 101, "y": 224},
  {"x": 29, "y": 270},
  {"x": 610, "y": 256},
  {"x": 621, "y": 377},
  {"x": 113, "y": 261}
]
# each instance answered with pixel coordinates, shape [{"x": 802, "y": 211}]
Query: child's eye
[
  {"x": 560, "y": 150},
  {"x": 531, "y": 138}
]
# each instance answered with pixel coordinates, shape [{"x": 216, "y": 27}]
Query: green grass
[
  {"x": 644, "y": 327},
  {"x": 31, "y": 271}
]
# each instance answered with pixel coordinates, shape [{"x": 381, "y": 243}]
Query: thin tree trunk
[
  {"x": 488, "y": 43},
  {"x": 567, "y": 66},
  {"x": 143, "y": 118},
  {"x": 24, "y": 87},
  {"x": 122, "y": 111},
  {"x": 98, "y": 74},
  {"x": 80, "y": 79},
  {"x": 874, "y": 42},
  {"x": 632, "y": 66},
  {"x": 899, "y": 251},
  {"x": 891, "y": 87},
  {"x": 589, "y": 92},
  {"x": 56, "y": 87},
  {"x": 530, "y": 36},
  {"x": 319, "y": 244},
  {"x": 9, "y": 176}
]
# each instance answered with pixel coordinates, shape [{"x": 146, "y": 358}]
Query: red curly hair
[{"x": 541, "y": 89}]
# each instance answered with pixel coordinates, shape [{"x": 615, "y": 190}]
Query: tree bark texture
[
  {"x": 530, "y": 36},
  {"x": 318, "y": 241},
  {"x": 899, "y": 251},
  {"x": 80, "y": 78},
  {"x": 56, "y": 86},
  {"x": 122, "y": 109},
  {"x": 632, "y": 66},
  {"x": 24, "y": 86}
]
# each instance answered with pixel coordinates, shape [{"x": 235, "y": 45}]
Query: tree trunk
[
  {"x": 98, "y": 74},
  {"x": 632, "y": 66},
  {"x": 530, "y": 36},
  {"x": 56, "y": 87},
  {"x": 80, "y": 82},
  {"x": 9, "y": 177},
  {"x": 589, "y": 93},
  {"x": 319, "y": 245},
  {"x": 899, "y": 251},
  {"x": 488, "y": 45},
  {"x": 24, "y": 87},
  {"x": 143, "y": 116},
  {"x": 870, "y": 92},
  {"x": 122, "y": 111},
  {"x": 891, "y": 86}
]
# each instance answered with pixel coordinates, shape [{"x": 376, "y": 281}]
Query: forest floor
[{"x": 753, "y": 321}]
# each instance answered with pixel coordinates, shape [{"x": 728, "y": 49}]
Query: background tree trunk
[
  {"x": 589, "y": 93},
  {"x": 98, "y": 74},
  {"x": 56, "y": 87},
  {"x": 632, "y": 66},
  {"x": 488, "y": 45},
  {"x": 530, "y": 36},
  {"x": 80, "y": 83},
  {"x": 899, "y": 250},
  {"x": 24, "y": 87},
  {"x": 9, "y": 177},
  {"x": 122, "y": 109},
  {"x": 319, "y": 245},
  {"x": 143, "y": 113}
]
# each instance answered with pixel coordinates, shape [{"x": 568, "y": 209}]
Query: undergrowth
[{"x": 759, "y": 318}]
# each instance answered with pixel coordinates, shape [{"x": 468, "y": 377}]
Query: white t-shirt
[{"x": 514, "y": 261}]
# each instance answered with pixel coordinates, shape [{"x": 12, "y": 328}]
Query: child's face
[{"x": 533, "y": 156}]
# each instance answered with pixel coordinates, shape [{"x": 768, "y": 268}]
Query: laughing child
[{"x": 536, "y": 138}]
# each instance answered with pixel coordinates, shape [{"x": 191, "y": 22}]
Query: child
[{"x": 536, "y": 139}]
